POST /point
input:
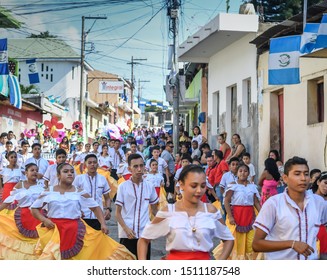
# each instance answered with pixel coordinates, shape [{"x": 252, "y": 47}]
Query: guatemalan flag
[
  {"x": 309, "y": 37},
  {"x": 4, "y": 69},
  {"x": 284, "y": 60},
  {"x": 15, "y": 95},
  {"x": 33, "y": 75},
  {"x": 322, "y": 33}
]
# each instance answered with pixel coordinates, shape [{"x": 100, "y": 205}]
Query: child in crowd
[{"x": 246, "y": 158}]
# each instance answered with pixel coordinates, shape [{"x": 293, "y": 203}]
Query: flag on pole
[
  {"x": 15, "y": 96},
  {"x": 322, "y": 33},
  {"x": 284, "y": 58},
  {"x": 4, "y": 70},
  {"x": 309, "y": 37},
  {"x": 33, "y": 75}
]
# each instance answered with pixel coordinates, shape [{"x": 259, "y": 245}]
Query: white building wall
[
  {"x": 300, "y": 139},
  {"x": 229, "y": 67}
]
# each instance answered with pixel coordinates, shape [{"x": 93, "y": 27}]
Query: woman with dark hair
[
  {"x": 224, "y": 147},
  {"x": 197, "y": 136},
  {"x": 18, "y": 235},
  {"x": 189, "y": 225},
  {"x": 269, "y": 180},
  {"x": 64, "y": 144},
  {"x": 238, "y": 149},
  {"x": 64, "y": 235}
]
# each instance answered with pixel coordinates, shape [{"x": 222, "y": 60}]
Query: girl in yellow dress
[{"x": 64, "y": 235}]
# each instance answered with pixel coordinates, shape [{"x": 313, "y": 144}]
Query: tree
[
  {"x": 30, "y": 89},
  {"x": 279, "y": 10},
  {"x": 45, "y": 34}
]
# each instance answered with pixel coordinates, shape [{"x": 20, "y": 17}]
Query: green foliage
[
  {"x": 45, "y": 34},
  {"x": 31, "y": 89},
  {"x": 279, "y": 10}
]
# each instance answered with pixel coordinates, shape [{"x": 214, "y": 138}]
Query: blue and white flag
[
  {"x": 4, "y": 89},
  {"x": 33, "y": 75},
  {"x": 4, "y": 68},
  {"x": 284, "y": 59},
  {"x": 322, "y": 33},
  {"x": 15, "y": 95},
  {"x": 309, "y": 37}
]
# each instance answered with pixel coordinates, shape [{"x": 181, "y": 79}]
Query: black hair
[
  {"x": 192, "y": 168},
  {"x": 61, "y": 166},
  {"x": 204, "y": 145},
  {"x": 233, "y": 159},
  {"x": 10, "y": 153},
  {"x": 153, "y": 160},
  {"x": 79, "y": 143},
  {"x": 8, "y": 143},
  {"x": 96, "y": 142},
  {"x": 103, "y": 146},
  {"x": 223, "y": 135},
  {"x": 132, "y": 157},
  {"x": 314, "y": 171},
  {"x": 294, "y": 161},
  {"x": 155, "y": 148},
  {"x": 117, "y": 140},
  {"x": 127, "y": 150},
  {"x": 133, "y": 143},
  {"x": 323, "y": 176},
  {"x": 4, "y": 134},
  {"x": 243, "y": 165},
  {"x": 237, "y": 135},
  {"x": 276, "y": 153},
  {"x": 197, "y": 128},
  {"x": 187, "y": 157},
  {"x": 169, "y": 143},
  {"x": 197, "y": 160},
  {"x": 272, "y": 168},
  {"x": 29, "y": 165},
  {"x": 246, "y": 154},
  {"x": 23, "y": 143},
  {"x": 90, "y": 156},
  {"x": 61, "y": 152},
  {"x": 219, "y": 154},
  {"x": 36, "y": 145},
  {"x": 209, "y": 154}
]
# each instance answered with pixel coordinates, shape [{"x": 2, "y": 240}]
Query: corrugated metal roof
[
  {"x": 291, "y": 26},
  {"x": 40, "y": 48}
]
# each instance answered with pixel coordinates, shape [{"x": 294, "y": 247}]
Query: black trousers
[
  {"x": 93, "y": 223},
  {"x": 131, "y": 245},
  {"x": 113, "y": 174}
]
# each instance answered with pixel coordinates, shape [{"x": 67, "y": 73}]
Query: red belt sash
[
  {"x": 71, "y": 236},
  {"x": 190, "y": 255},
  {"x": 244, "y": 217},
  {"x": 322, "y": 236},
  {"x": 127, "y": 176},
  {"x": 157, "y": 191}
]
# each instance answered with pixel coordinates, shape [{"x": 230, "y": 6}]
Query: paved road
[{"x": 157, "y": 246}]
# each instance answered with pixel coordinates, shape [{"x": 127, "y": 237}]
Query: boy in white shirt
[
  {"x": 246, "y": 158},
  {"x": 288, "y": 223}
]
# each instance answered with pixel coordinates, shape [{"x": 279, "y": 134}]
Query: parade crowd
[{"x": 57, "y": 197}]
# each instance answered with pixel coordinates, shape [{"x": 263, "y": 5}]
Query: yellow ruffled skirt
[
  {"x": 96, "y": 246},
  {"x": 111, "y": 181},
  {"x": 14, "y": 245},
  {"x": 242, "y": 249}
]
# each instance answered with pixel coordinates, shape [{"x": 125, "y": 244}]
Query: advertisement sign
[{"x": 111, "y": 87}]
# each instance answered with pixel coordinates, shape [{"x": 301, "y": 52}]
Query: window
[
  {"x": 91, "y": 123},
  {"x": 51, "y": 77},
  {"x": 73, "y": 72},
  {"x": 316, "y": 110}
]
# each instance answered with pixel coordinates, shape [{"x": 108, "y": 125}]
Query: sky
[{"x": 132, "y": 28}]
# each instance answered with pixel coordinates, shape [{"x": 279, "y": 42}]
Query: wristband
[{"x": 293, "y": 244}]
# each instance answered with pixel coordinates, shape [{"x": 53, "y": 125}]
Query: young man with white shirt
[
  {"x": 41, "y": 163},
  {"x": 97, "y": 187},
  {"x": 118, "y": 156},
  {"x": 23, "y": 154},
  {"x": 132, "y": 205},
  {"x": 287, "y": 225},
  {"x": 50, "y": 177}
]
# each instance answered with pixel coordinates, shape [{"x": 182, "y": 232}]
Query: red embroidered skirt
[
  {"x": 244, "y": 217},
  {"x": 180, "y": 255},
  {"x": 7, "y": 188},
  {"x": 25, "y": 222}
]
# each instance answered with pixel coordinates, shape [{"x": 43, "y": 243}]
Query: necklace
[{"x": 193, "y": 227}]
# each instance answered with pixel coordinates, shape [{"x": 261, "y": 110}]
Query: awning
[{"x": 90, "y": 103}]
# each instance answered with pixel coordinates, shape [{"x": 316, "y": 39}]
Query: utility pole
[
  {"x": 172, "y": 12},
  {"x": 82, "y": 90},
  {"x": 305, "y": 10},
  {"x": 139, "y": 90},
  {"x": 132, "y": 63}
]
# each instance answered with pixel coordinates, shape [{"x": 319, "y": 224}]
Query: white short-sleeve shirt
[
  {"x": 135, "y": 200},
  {"x": 282, "y": 219},
  {"x": 96, "y": 187},
  {"x": 162, "y": 165}
]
